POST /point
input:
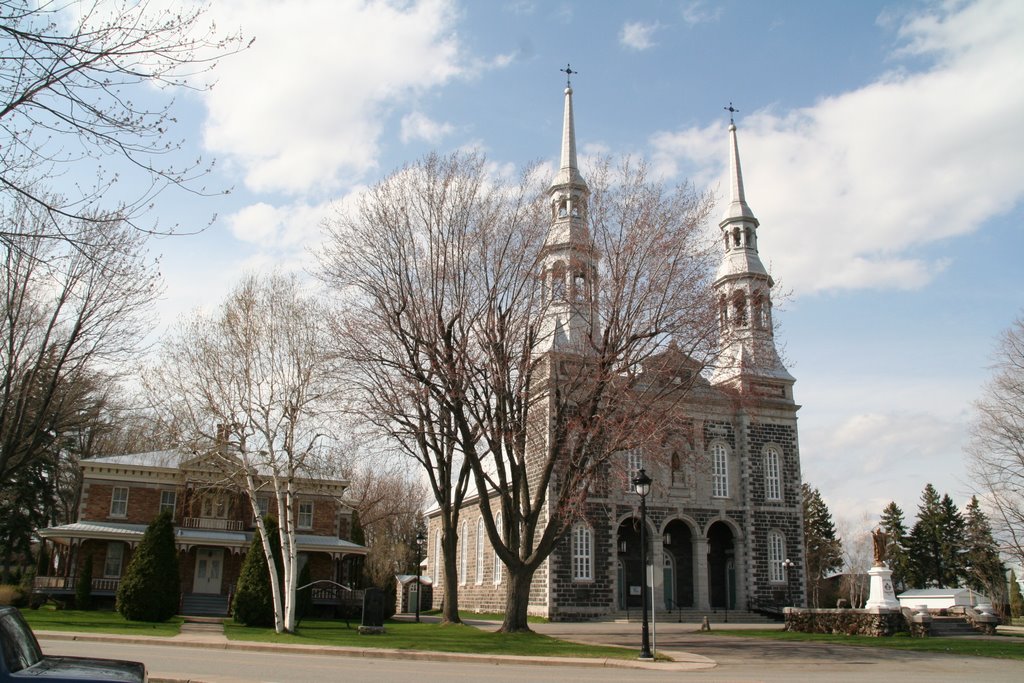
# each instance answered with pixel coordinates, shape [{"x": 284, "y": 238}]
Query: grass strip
[
  {"x": 428, "y": 637},
  {"x": 999, "y": 647},
  {"x": 50, "y": 619}
]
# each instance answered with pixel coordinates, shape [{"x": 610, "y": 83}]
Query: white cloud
[
  {"x": 418, "y": 126},
  {"x": 698, "y": 12},
  {"x": 850, "y": 189},
  {"x": 637, "y": 35},
  {"x": 302, "y": 110},
  {"x": 278, "y": 229}
]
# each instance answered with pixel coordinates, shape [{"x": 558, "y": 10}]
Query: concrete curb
[{"x": 681, "y": 661}]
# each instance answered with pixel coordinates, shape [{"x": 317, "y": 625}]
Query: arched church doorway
[
  {"x": 678, "y": 548},
  {"x": 721, "y": 566},
  {"x": 628, "y": 542}
]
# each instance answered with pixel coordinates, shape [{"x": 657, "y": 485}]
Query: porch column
[{"x": 701, "y": 593}]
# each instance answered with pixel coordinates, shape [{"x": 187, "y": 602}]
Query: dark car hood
[{"x": 85, "y": 669}]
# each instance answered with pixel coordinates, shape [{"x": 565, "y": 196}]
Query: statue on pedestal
[{"x": 880, "y": 539}]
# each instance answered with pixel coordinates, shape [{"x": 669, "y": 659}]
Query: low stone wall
[{"x": 851, "y": 622}]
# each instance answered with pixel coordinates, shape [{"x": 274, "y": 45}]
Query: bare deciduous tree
[
  {"x": 996, "y": 450},
  {"x": 255, "y": 383},
  {"x": 74, "y": 80},
  {"x": 72, "y": 316},
  {"x": 451, "y": 269}
]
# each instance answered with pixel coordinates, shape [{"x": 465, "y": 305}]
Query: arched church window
[
  {"x": 772, "y": 474},
  {"x": 498, "y": 566},
  {"x": 719, "y": 471},
  {"x": 758, "y": 311},
  {"x": 582, "y": 552},
  {"x": 736, "y": 237},
  {"x": 776, "y": 556},
  {"x": 747, "y": 242},
  {"x": 558, "y": 282},
  {"x": 723, "y": 311},
  {"x": 563, "y": 208},
  {"x": 579, "y": 284},
  {"x": 739, "y": 306}
]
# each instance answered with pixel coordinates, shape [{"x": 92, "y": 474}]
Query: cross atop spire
[
  {"x": 568, "y": 75},
  {"x": 732, "y": 110}
]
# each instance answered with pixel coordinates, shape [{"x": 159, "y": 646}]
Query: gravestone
[{"x": 373, "y": 612}]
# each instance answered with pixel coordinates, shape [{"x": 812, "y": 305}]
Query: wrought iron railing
[
  {"x": 43, "y": 584},
  {"x": 213, "y": 523}
]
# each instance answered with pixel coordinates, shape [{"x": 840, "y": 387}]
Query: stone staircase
[
  {"x": 942, "y": 627},
  {"x": 202, "y": 605}
]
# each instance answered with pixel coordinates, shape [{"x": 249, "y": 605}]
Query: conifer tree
[
  {"x": 936, "y": 541},
  {"x": 1016, "y": 599},
  {"x": 823, "y": 551},
  {"x": 254, "y": 602},
  {"x": 984, "y": 570},
  {"x": 896, "y": 549},
  {"x": 150, "y": 589}
]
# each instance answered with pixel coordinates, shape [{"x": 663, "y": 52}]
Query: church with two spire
[{"x": 726, "y": 531}]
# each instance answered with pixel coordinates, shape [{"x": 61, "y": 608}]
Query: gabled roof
[{"x": 170, "y": 459}]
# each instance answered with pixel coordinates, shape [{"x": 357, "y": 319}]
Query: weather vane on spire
[
  {"x": 732, "y": 110},
  {"x": 568, "y": 75}
]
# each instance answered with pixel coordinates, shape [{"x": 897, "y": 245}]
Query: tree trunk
[
  {"x": 517, "y": 600},
  {"x": 449, "y": 550}
]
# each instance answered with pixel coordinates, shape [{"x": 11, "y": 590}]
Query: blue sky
[{"x": 882, "y": 152}]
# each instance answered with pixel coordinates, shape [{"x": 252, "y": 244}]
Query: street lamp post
[
  {"x": 420, "y": 540},
  {"x": 642, "y": 485},
  {"x": 787, "y": 564}
]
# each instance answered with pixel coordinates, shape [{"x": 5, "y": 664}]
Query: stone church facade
[{"x": 724, "y": 522}]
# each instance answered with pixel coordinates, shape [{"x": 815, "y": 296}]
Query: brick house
[
  {"x": 213, "y": 521},
  {"x": 724, "y": 517}
]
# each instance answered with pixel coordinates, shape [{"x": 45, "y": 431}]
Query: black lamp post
[
  {"x": 642, "y": 485},
  {"x": 787, "y": 564},
  {"x": 420, "y": 540}
]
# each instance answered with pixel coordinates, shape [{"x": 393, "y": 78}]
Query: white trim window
[
  {"x": 479, "y": 551},
  {"x": 776, "y": 554},
  {"x": 497, "y": 560},
  {"x": 463, "y": 555},
  {"x": 582, "y": 553},
  {"x": 305, "y": 514},
  {"x": 114, "y": 560},
  {"x": 772, "y": 474},
  {"x": 168, "y": 500},
  {"x": 263, "y": 504},
  {"x": 437, "y": 557},
  {"x": 719, "y": 471},
  {"x": 119, "y": 502}
]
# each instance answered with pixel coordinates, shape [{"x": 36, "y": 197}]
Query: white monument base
[{"x": 881, "y": 597}]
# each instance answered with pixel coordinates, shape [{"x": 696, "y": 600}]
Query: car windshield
[{"x": 20, "y": 649}]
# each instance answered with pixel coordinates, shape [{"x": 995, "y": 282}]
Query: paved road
[{"x": 733, "y": 660}]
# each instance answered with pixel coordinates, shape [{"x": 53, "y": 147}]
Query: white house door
[{"x": 209, "y": 570}]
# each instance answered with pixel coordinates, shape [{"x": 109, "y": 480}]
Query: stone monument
[{"x": 881, "y": 596}]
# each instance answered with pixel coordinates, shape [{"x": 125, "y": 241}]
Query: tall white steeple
[
  {"x": 746, "y": 337},
  {"x": 568, "y": 261}
]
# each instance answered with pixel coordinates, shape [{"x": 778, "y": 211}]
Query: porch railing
[
  {"x": 68, "y": 584},
  {"x": 212, "y": 523}
]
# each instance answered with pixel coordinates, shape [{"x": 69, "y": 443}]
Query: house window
[
  {"x": 263, "y": 504},
  {"x": 772, "y": 477},
  {"x": 634, "y": 463},
  {"x": 167, "y": 501},
  {"x": 119, "y": 502},
  {"x": 497, "y": 561},
  {"x": 463, "y": 542},
  {"x": 776, "y": 554},
  {"x": 582, "y": 553},
  {"x": 115, "y": 557},
  {"x": 215, "y": 506},
  {"x": 306, "y": 514},
  {"x": 480, "y": 551},
  {"x": 719, "y": 471}
]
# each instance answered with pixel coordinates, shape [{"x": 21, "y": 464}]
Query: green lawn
[
  {"x": 430, "y": 637},
  {"x": 50, "y": 619},
  {"x": 1002, "y": 647}
]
